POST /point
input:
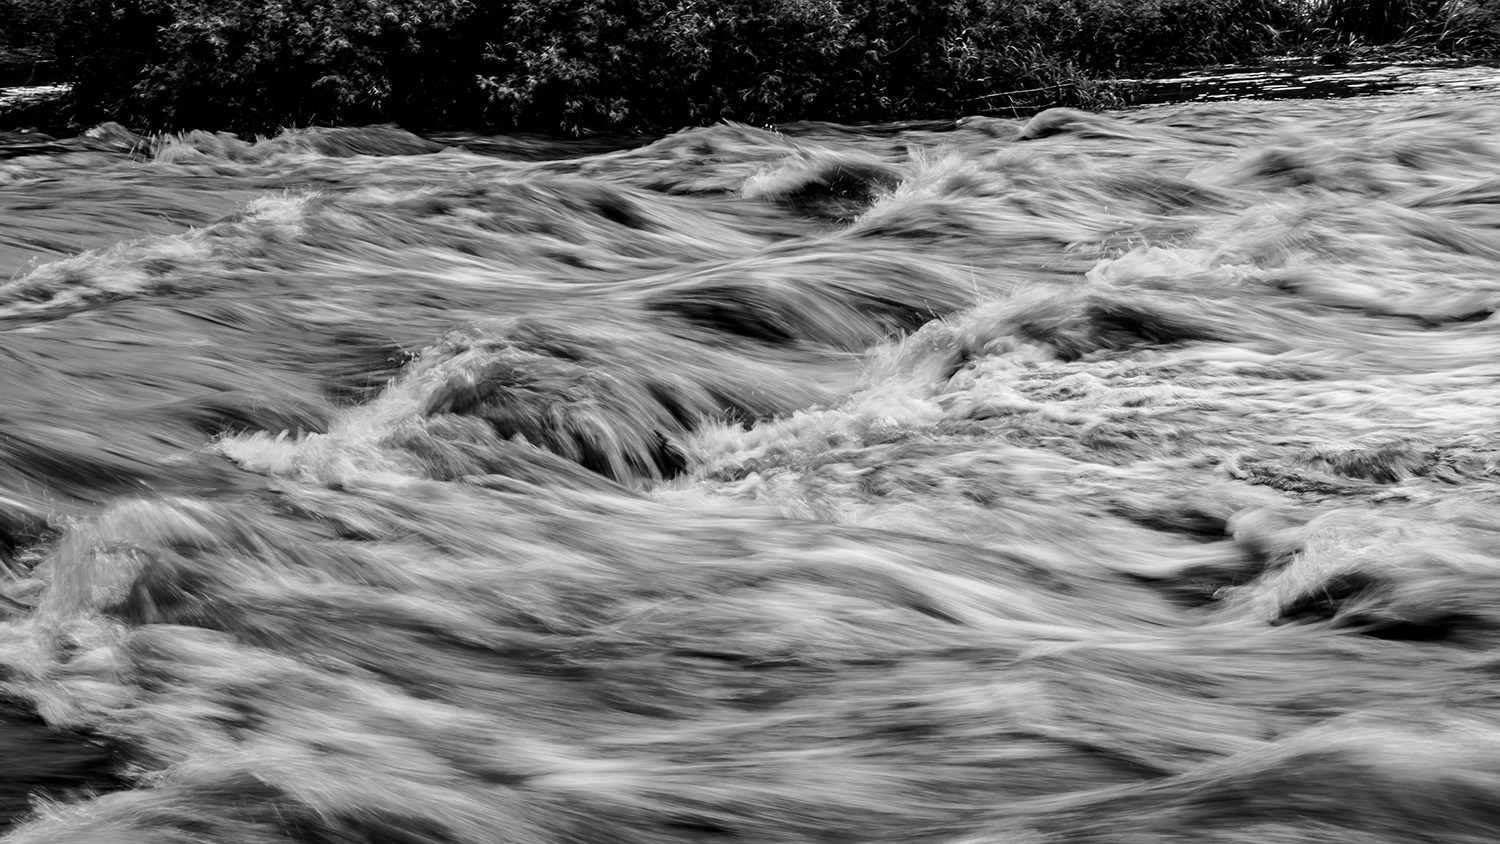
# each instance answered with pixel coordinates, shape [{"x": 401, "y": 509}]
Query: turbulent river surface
[{"x": 1110, "y": 479}]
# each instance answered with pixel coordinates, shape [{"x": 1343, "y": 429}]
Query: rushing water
[
  {"x": 1306, "y": 79},
  {"x": 1088, "y": 479}
]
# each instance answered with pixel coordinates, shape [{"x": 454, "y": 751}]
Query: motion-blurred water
[
  {"x": 1305, "y": 78},
  {"x": 1080, "y": 479}
]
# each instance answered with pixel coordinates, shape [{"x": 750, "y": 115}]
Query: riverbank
[
  {"x": 1306, "y": 77},
  {"x": 21, "y": 68},
  {"x": 38, "y": 109}
]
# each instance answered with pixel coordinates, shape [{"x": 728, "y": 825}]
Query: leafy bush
[
  {"x": 584, "y": 65},
  {"x": 274, "y": 58},
  {"x": 579, "y": 65},
  {"x": 756, "y": 61},
  {"x": 1120, "y": 35},
  {"x": 21, "y": 29},
  {"x": 253, "y": 64}
]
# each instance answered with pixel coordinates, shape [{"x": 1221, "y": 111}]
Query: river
[{"x": 1065, "y": 478}]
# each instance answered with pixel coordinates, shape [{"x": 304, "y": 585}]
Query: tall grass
[{"x": 1458, "y": 27}]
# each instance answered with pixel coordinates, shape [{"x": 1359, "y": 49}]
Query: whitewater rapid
[{"x": 1086, "y": 478}]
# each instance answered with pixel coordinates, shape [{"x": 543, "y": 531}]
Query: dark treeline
[{"x": 589, "y": 65}]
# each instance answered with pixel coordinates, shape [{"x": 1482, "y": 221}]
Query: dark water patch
[
  {"x": 17, "y": 71},
  {"x": 849, "y": 302},
  {"x": 530, "y": 147},
  {"x": 47, "y": 763},
  {"x": 821, "y": 130},
  {"x": 832, "y": 189}
]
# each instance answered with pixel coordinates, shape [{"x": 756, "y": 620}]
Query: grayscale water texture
[{"x": 1077, "y": 479}]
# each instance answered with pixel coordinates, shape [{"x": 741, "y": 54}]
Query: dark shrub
[
  {"x": 586, "y": 65},
  {"x": 260, "y": 64},
  {"x": 1375, "y": 20}
]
